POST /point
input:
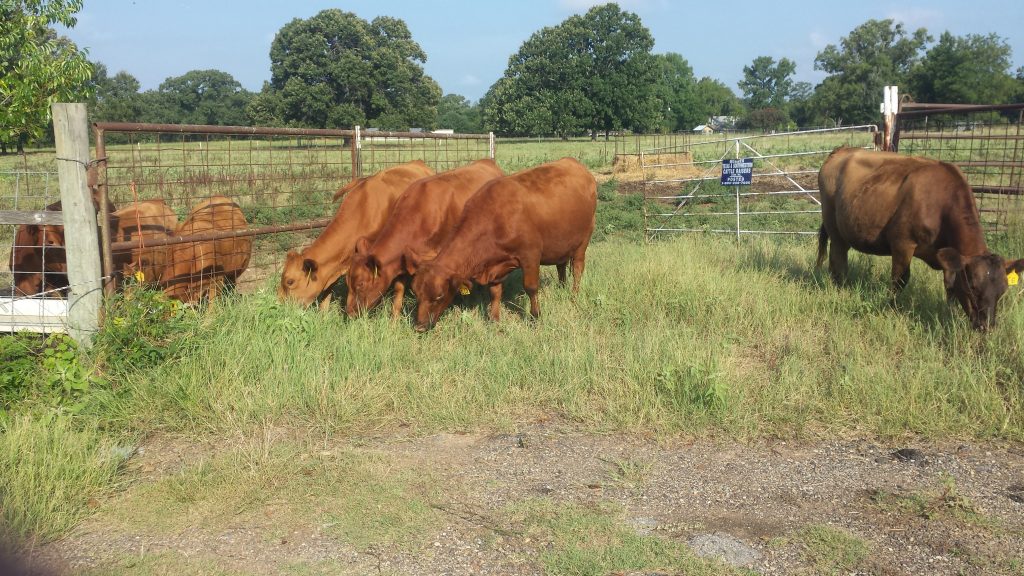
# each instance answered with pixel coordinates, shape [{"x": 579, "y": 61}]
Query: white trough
[{"x": 45, "y": 315}]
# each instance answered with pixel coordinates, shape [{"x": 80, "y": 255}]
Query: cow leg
[
  {"x": 561, "y": 272},
  {"x": 531, "y": 283},
  {"x": 901, "y": 257},
  {"x": 837, "y": 260},
  {"x": 579, "y": 262},
  {"x": 495, "y": 307},
  {"x": 396, "y": 305}
]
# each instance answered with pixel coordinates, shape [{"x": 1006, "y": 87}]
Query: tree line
[{"x": 592, "y": 74}]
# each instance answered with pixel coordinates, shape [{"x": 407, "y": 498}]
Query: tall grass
[
  {"x": 50, "y": 468},
  {"x": 695, "y": 336}
]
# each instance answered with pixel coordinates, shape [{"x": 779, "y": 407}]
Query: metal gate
[
  {"x": 683, "y": 193},
  {"x": 985, "y": 142}
]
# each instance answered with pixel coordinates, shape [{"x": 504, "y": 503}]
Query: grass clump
[
  {"x": 51, "y": 468},
  {"x": 832, "y": 550},
  {"x": 584, "y": 541}
]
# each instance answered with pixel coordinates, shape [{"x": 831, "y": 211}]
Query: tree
[
  {"x": 336, "y": 70},
  {"x": 875, "y": 54},
  {"x": 592, "y": 72},
  {"x": 205, "y": 97},
  {"x": 717, "y": 99},
  {"x": 37, "y": 68},
  {"x": 265, "y": 108},
  {"x": 677, "y": 91},
  {"x": 115, "y": 99},
  {"x": 456, "y": 113},
  {"x": 972, "y": 69},
  {"x": 766, "y": 83}
]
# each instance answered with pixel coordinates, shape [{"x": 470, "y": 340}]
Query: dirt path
[{"x": 930, "y": 509}]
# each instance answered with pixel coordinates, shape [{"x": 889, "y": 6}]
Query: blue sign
[{"x": 737, "y": 171}]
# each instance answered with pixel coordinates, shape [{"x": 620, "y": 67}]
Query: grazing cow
[
  {"x": 541, "y": 216},
  {"x": 885, "y": 204},
  {"x": 149, "y": 220},
  {"x": 311, "y": 273},
  {"x": 201, "y": 268},
  {"x": 38, "y": 261},
  {"x": 423, "y": 218}
]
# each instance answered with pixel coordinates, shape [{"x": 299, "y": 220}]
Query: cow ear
[
  {"x": 952, "y": 263},
  {"x": 33, "y": 231},
  {"x": 462, "y": 286},
  {"x": 309, "y": 268},
  {"x": 372, "y": 265},
  {"x": 1014, "y": 266},
  {"x": 362, "y": 245}
]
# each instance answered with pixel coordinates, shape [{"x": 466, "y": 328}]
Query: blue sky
[{"x": 468, "y": 42}]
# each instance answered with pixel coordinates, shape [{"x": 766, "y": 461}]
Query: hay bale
[{"x": 668, "y": 166}]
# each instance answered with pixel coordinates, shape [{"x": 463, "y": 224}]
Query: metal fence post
[
  {"x": 357, "y": 150},
  {"x": 71, "y": 133}
]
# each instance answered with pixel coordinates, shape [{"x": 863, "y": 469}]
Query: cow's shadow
[{"x": 867, "y": 278}]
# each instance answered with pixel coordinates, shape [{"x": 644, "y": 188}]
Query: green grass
[
  {"x": 593, "y": 541},
  {"x": 694, "y": 335},
  {"x": 51, "y": 469},
  {"x": 832, "y": 550}
]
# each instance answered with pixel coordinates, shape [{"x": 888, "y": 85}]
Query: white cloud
[
  {"x": 470, "y": 80},
  {"x": 819, "y": 40}
]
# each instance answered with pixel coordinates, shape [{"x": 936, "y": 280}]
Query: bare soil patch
[{"x": 950, "y": 508}]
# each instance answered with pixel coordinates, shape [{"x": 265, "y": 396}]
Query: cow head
[
  {"x": 435, "y": 288},
  {"x": 366, "y": 279},
  {"x": 977, "y": 283},
  {"x": 300, "y": 281}
]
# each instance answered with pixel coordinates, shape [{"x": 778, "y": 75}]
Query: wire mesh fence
[
  {"x": 33, "y": 275},
  {"x": 985, "y": 142},
  {"x": 274, "y": 190}
]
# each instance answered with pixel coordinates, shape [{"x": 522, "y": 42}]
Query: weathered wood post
[{"x": 71, "y": 133}]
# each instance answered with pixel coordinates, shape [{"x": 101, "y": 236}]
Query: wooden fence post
[{"x": 71, "y": 133}]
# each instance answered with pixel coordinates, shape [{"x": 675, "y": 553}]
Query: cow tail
[{"x": 822, "y": 245}]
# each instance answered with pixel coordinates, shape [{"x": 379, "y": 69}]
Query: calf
[
  {"x": 38, "y": 261},
  {"x": 885, "y": 204},
  {"x": 149, "y": 220},
  {"x": 201, "y": 268},
  {"x": 312, "y": 272},
  {"x": 541, "y": 216},
  {"x": 423, "y": 218}
]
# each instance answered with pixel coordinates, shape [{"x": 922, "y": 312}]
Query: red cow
[
  {"x": 312, "y": 272},
  {"x": 149, "y": 220},
  {"x": 423, "y": 218},
  {"x": 200, "y": 269},
  {"x": 886, "y": 204},
  {"x": 38, "y": 261},
  {"x": 541, "y": 216}
]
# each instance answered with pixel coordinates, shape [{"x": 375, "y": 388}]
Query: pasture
[{"x": 227, "y": 437}]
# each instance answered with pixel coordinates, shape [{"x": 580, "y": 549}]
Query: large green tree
[
  {"x": 205, "y": 97},
  {"x": 37, "y": 67},
  {"x": 115, "y": 98},
  {"x": 972, "y": 69},
  {"x": 875, "y": 54},
  {"x": 677, "y": 90},
  {"x": 336, "y": 70},
  {"x": 717, "y": 99},
  {"x": 593, "y": 72},
  {"x": 458, "y": 114},
  {"x": 767, "y": 83}
]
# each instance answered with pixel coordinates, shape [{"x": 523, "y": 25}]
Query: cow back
[
  {"x": 198, "y": 268},
  {"x": 148, "y": 220}
]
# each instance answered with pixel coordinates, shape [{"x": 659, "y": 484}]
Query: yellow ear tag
[
  {"x": 1012, "y": 278},
  {"x": 464, "y": 290},
  {"x": 140, "y": 276}
]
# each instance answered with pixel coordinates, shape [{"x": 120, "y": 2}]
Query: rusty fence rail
[
  {"x": 985, "y": 142},
  {"x": 282, "y": 179}
]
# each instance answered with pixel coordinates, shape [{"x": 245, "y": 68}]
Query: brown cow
[
  {"x": 423, "y": 218},
  {"x": 38, "y": 261},
  {"x": 541, "y": 216},
  {"x": 200, "y": 269},
  {"x": 885, "y": 204},
  {"x": 149, "y": 220},
  {"x": 312, "y": 273}
]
